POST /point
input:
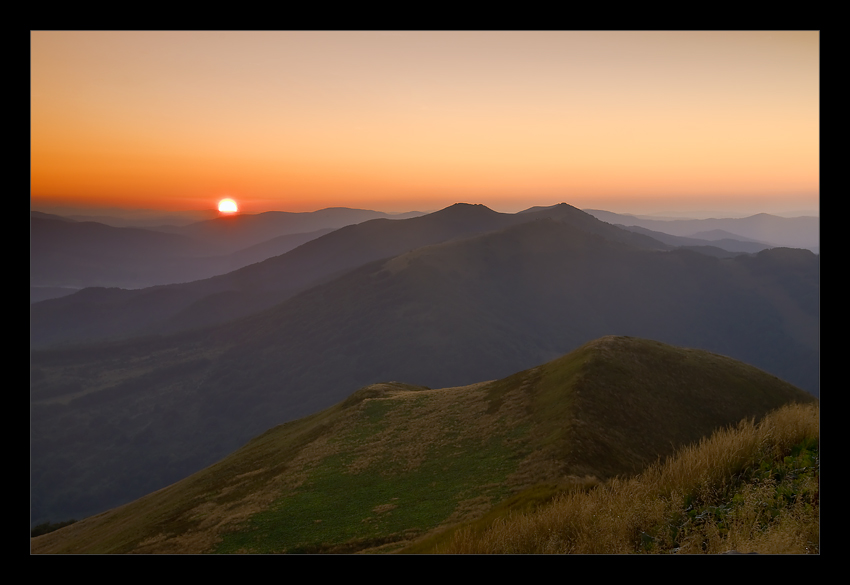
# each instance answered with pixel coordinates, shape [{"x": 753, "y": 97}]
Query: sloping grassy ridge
[
  {"x": 394, "y": 462},
  {"x": 753, "y": 488}
]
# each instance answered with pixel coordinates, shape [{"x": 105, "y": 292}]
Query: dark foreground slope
[
  {"x": 112, "y": 422},
  {"x": 394, "y": 462}
]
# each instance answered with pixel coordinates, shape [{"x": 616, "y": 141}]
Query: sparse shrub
[{"x": 46, "y": 527}]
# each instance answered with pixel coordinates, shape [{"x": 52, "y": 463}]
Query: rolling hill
[{"x": 394, "y": 462}]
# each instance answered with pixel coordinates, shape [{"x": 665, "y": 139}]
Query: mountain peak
[
  {"x": 556, "y": 207},
  {"x": 468, "y": 207},
  {"x": 465, "y": 212}
]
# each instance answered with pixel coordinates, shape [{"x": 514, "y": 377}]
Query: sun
[{"x": 227, "y": 206}]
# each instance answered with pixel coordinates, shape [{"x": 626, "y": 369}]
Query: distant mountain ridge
[
  {"x": 72, "y": 253},
  {"x": 97, "y": 314},
  {"x": 89, "y": 253},
  {"x": 797, "y": 232},
  {"x": 240, "y": 231},
  {"x": 718, "y": 238}
]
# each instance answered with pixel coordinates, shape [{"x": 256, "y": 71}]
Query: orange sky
[{"x": 397, "y": 121}]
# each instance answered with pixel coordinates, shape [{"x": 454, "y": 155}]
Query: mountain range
[
  {"x": 395, "y": 462},
  {"x": 100, "y": 313},
  {"x": 446, "y": 299},
  {"x": 66, "y": 254}
]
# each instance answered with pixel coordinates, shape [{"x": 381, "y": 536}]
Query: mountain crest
[{"x": 465, "y": 210}]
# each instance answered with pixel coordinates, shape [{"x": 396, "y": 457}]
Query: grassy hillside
[
  {"x": 753, "y": 488},
  {"x": 394, "y": 463}
]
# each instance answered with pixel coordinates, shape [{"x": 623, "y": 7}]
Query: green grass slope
[{"x": 395, "y": 463}]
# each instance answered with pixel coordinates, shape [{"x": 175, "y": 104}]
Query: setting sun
[
  {"x": 712, "y": 118},
  {"x": 227, "y": 206}
]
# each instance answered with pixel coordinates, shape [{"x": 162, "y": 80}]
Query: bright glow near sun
[{"x": 227, "y": 206}]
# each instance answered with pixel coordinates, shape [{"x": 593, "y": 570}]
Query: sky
[{"x": 629, "y": 121}]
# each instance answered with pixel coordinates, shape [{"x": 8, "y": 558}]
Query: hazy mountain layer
[
  {"x": 236, "y": 232},
  {"x": 393, "y": 461},
  {"x": 90, "y": 253},
  {"x": 97, "y": 314},
  {"x": 144, "y": 413},
  {"x": 791, "y": 232},
  {"x": 716, "y": 238},
  {"x": 70, "y": 253}
]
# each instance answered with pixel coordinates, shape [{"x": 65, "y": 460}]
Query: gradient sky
[{"x": 397, "y": 121}]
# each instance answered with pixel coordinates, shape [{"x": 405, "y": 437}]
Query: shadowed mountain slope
[
  {"x": 147, "y": 412},
  {"x": 394, "y": 462},
  {"x": 97, "y": 313}
]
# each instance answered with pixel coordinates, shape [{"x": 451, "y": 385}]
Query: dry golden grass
[{"x": 640, "y": 514}]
